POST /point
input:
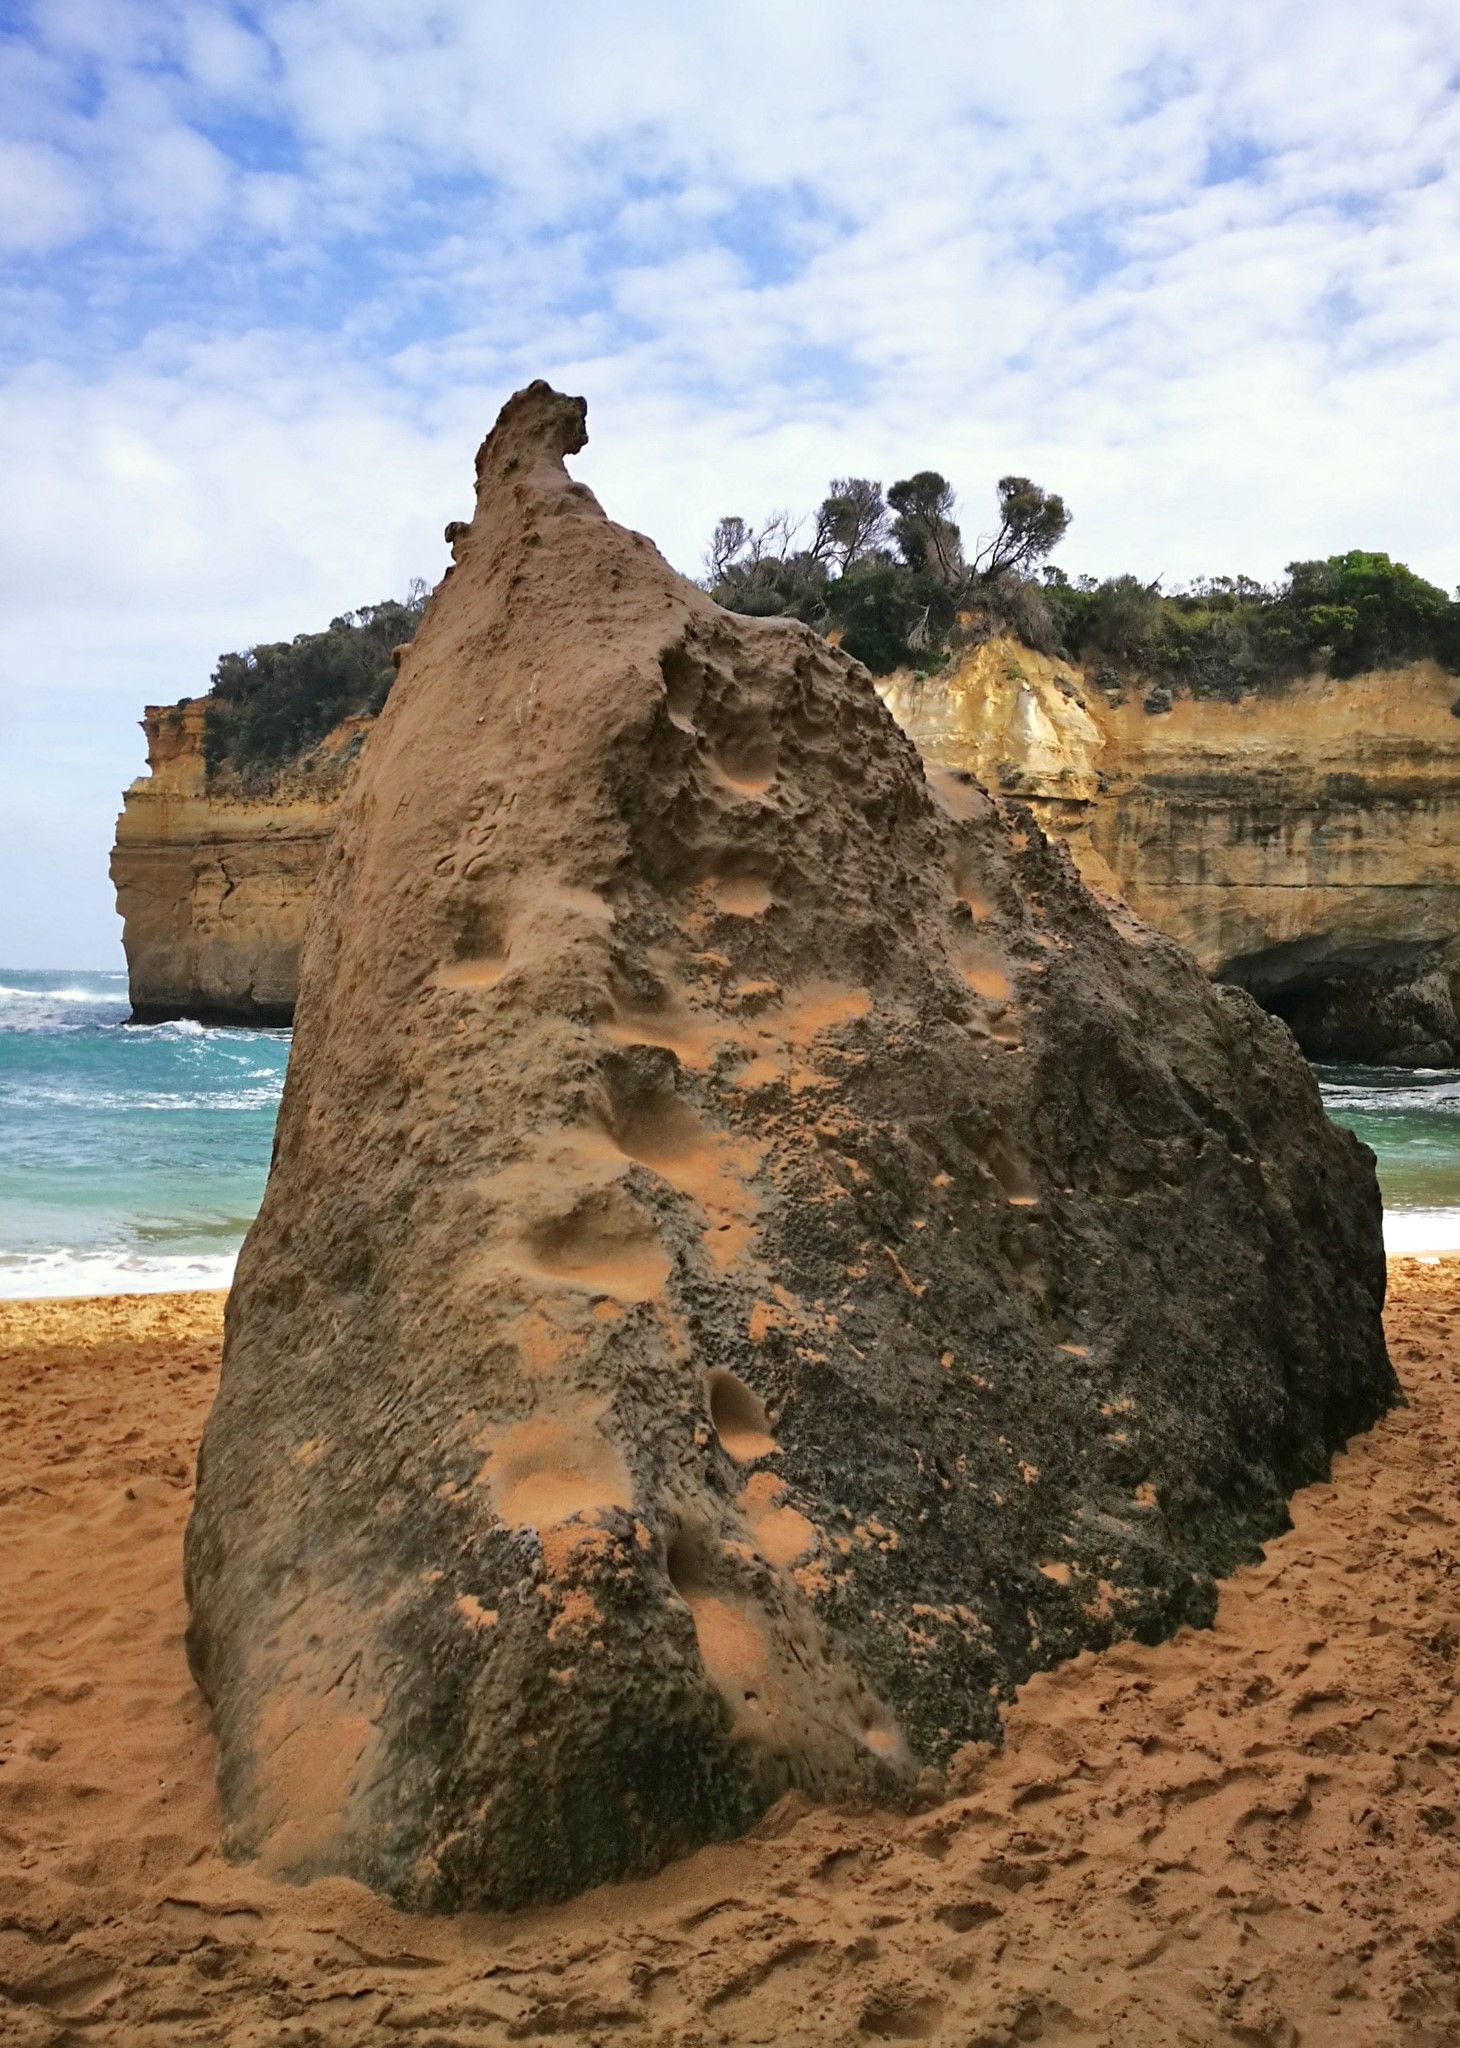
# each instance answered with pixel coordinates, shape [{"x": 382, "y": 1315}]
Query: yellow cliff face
[
  {"x": 1017, "y": 720},
  {"x": 214, "y": 886},
  {"x": 1305, "y": 843}
]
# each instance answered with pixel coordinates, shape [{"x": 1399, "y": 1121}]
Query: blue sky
[{"x": 269, "y": 270}]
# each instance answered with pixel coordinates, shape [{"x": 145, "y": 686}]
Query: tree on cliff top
[
  {"x": 271, "y": 703},
  {"x": 926, "y": 532},
  {"x": 1032, "y": 523},
  {"x": 853, "y": 523},
  {"x": 889, "y": 574}
]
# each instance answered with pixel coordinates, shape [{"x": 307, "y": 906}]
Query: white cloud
[
  {"x": 221, "y": 56},
  {"x": 43, "y": 200},
  {"x": 321, "y": 239},
  {"x": 171, "y": 184}
]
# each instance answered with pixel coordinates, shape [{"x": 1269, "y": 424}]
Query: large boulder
[{"x": 757, "y": 1258}]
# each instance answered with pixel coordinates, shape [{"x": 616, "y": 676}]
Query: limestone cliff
[
  {"x": 1304, "y": 844},
  {"x": 213, "y": 885}
]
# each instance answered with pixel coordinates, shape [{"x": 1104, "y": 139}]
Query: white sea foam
[
  {"x": 1408, "y": 1232},
  {"x": 1427, "y": 1089},
  {"x": 50, "y": 1275},
  {"x": 61, "y": 995},
  {"x": 227, "y": 1035},
  {"x": 36, "y": 1095},
  {"x": 175, "y": 1027},
  {"x": 63, "y": 1009}
]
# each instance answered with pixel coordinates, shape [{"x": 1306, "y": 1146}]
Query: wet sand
[{"x": 1248, "y": 1835}]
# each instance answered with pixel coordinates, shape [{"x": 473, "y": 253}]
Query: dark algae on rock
[{"x": 757, "y": 1258}]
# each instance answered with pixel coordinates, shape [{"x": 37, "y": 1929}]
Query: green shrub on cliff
[
  {"x": 271, "y": 703},
  {"x": 1227, "y": 634},
  {"x": 891, "y": 577},
  {"x": 1370, "y": 612},
  {"x": 892, "y": 616},
  {"x": 1223, "y": 635}
]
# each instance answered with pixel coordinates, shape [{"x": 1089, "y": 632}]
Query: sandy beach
[{"x": 1248, "y": 1835}]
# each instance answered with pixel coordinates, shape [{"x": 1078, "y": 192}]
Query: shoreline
[
  {"x": 1421, "y": 1233},
  {"x": 1425, "y": 1234},
  {"x": 84, "y": 1277},
  {"x": 1241, "y": 1833}
]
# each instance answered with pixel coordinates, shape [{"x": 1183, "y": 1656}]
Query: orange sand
[{"x": 1247, "y": 1836}]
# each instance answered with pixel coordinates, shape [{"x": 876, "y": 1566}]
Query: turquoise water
[
  {"x": 1413, "y": 1123},
  {"x": 133, "y": 1158}
]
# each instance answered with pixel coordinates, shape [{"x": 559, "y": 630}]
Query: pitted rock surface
[{"x": 757, "y": 1258}]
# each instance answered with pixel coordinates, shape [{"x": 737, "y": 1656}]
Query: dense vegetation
[
  {"x": 1227, "y": 634},
  {"x": 271, "y": 703},
  {"x": 891, "y": 575}
]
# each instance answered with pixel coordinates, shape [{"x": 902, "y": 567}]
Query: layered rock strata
[
  {"x": 757, "y": 1258},
  {"x": 1305, "y": 844},
  {"x": 214, "y": 886}
]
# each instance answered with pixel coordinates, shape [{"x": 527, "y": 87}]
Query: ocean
[{"x": 133, "y": 1157}]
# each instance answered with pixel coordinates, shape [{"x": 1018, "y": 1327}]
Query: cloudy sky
[{"x": 269, "y": 270}]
